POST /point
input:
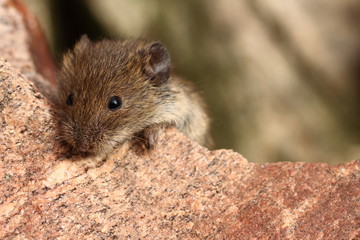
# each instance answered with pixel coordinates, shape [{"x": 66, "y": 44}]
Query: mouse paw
[
  {"x": 147, "y": 139},
  {"x": 150, "y": 135}
]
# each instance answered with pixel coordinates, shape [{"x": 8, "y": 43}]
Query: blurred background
[{"x": 281, "y": 78}]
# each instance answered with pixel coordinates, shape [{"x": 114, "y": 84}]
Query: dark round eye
[
  {"x": 115, "y": 103},
  {"x": 70, "y": 100}
]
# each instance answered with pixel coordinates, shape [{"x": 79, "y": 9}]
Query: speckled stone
[
  {"x": 180, "y": 190},
  {"x": 17, "y": 45}
]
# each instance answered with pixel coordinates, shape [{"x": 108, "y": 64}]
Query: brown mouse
[{"x": 113, "y": 91}]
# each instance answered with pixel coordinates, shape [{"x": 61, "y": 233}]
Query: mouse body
[{"x": 112, "y": 91}]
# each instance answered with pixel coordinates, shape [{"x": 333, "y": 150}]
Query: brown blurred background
[{"x": 281, "y": 77}]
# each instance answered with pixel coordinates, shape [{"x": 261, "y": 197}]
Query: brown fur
[{"x": 94, "y": 72}]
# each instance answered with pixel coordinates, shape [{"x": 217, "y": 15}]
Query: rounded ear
[
  {"x": 83, "y": 43},
  {"x": 69, "y": 56},
  {"x": 159, "y": 63}
]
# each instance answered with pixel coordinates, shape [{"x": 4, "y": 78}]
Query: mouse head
[{"x": 109, "y": 91}]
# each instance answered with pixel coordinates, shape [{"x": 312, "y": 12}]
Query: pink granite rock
[{"x": 178, "y": 191}]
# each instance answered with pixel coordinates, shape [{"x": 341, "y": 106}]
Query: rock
[
  {"x": 24, "y": 43},
  {"x": 179, "y": 190}
]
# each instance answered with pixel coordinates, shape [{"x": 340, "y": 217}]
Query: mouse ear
[
  {"x": 159, "y": 63},
  {"x": 69, "y": 56},
  {"x": 83, "y": 43}
]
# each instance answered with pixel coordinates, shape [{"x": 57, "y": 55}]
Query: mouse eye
[
  {"x": 70, "y": 100},
  {"x": 115, "y": 103}
]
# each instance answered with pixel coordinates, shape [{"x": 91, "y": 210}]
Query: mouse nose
[
  {"x": 86, "y": 139},
  {"x": 83, "y": 146}
]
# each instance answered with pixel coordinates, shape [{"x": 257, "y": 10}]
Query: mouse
[{"x": 112, "y": 91}]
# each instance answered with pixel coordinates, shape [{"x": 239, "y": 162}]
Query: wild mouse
[{"x": 113, "y": 91}]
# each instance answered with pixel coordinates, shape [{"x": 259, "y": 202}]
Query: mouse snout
[
  {"x": 86, "y": 138},
  {"x": 83, "y": 146}
]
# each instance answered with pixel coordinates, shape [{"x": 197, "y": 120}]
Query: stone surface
[
  {"x": 178, "y": 191},
  {"x": 38, "y": 46},
  {"x": 25, "y": 46}
]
